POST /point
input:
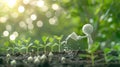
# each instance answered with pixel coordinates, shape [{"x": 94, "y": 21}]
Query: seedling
[
  {"x": 51, "y": 42},
  {"x": 58, "y": 38},
  {"x": 111, "y": 54},
  {"x": 45, "y": 44},
  {"x": 91, "y": 52},
  {"x": 27, "y": 44},
  {"x": 12, "y": 47},
  {"x": 37, "y": 46}
]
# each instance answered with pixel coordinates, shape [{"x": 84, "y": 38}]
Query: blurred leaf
[
  {"x": 51, "y": 39},
  {"x": 94, "y": 47},
  {"x": 36, "y": 41},
  {"x": 44, "y": 39},
  {"x": 58, "y": 37},
  {"x": 30, "y": 44},
  {"x": 107, "y": 50}
]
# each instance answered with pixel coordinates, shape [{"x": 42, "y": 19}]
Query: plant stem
[
  {"x": 59, "y": 47},
  {"x": 92, "y": 58},
  {"x": 13, "y": 50},
  {"x": 26, "y": 50},
  {"x": 51, "y": 48},
  {"x": 45, "y": 49},
  {"x": 37, "y": 51},
  {"x": 105, "y": 58}
]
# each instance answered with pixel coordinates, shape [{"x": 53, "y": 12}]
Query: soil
[{"x": 72, "y": 59}]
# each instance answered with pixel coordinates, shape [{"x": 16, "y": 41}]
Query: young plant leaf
[{"x": 93, "y": 48}]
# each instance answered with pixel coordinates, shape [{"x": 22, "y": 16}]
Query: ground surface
[{"x": 72, "y": 59}]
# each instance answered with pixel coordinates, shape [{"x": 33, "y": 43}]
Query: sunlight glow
[
  {"x": 10, "y": 3},
  {"x": 3, "y": 19},
  {"x": 14, "y": 15},
  {"x": 40, "y": 3},
  {"x": 21, "y": 9},
  {"x": 5, "y": 33},
  {"x": 25, "y": 1}
]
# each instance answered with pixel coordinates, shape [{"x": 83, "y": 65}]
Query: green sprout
[
  {"x": 106, "y": 52},
  {"x": 37, "y": 45},
  {"x": 111, "y": 54},
  {"x": 45, "y": 43},
  {"x": 91, "y": 52},
  {"x": 27, "y": 44},
  {"x": 58, "y": 38},
  {"x": 11, "y": 47}
]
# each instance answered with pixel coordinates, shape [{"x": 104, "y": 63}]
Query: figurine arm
[{"x": 73, "y": 35}]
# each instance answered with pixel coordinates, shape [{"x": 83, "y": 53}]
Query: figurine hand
[{"x": 64, "y": 42}]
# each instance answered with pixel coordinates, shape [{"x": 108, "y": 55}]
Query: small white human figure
[
  {"x": 87, "y": 30},
  {"x": 74, "y": 36}
]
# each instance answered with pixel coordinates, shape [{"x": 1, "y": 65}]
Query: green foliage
[
  {"x": 94, "y": 48},
  {"x": 35, "y": 27},
  {"x": 71, "y": 16}
]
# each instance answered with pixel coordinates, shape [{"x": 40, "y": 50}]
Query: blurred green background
[{"x": 37, "y": 18}]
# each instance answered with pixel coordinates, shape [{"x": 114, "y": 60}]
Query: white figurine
[{"x": 87, "y": 30}]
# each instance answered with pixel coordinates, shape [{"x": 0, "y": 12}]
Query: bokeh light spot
[
  {"x": 21, "y": 9},
  {"x": 10, "y": 3},
  {"x": 22, "y": 25},
  {"x": 109, "y": 19},
  {"x": 39, "y": 23},
  {"x": 30, "y": 26},
  {"x": 3, "y": 19},
  {"x": 12, "y": 37},
  {"x": 5, "y": 33},
  {"x": 16, "y": 34},
  {"x": 53, "y": 20},
  {"x": 8, "y": 27},
  {"x": 55, "y": 7},
  {"x": 33, "y": 17},
  {"x": 48, "y": 14},
  {"x": 40, "y": 3}
]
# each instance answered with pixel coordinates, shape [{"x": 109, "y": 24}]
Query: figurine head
[{"x": 87, "y": 29}]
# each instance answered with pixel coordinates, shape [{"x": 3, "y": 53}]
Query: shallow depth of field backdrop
[{"x": 37, "y": 18}]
